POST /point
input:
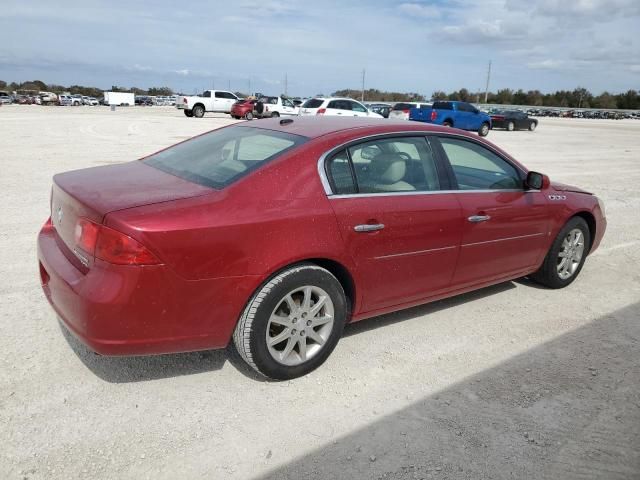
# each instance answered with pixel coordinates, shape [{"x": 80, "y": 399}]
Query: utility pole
[
  {"x": 285, "y": 84},
  {"x": 363, "y": 75},
  {"x": 229, "y": 86},
  {"x": 486, "y": 88},
  {"x": 249, "y": 92},
  {"x": 213, "y": 84}
]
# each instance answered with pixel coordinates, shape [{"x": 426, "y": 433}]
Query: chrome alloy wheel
[
  {"x": 570, "y": 254},
  {"x": 300, "y": 325}
]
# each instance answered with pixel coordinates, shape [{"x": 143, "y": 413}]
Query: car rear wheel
[
  {"x": 566, "y": 256},
  {"x": 188, "y": 113},
  {"x": 292, "y": 323},
  {"x": 532, "y": 126},
  {"x": 483, "y": 131},
  {"x": 248, "y": 115},
  {"x": 511, "y": 126},
  {"x": 275, "y": 115},
  {"x": 447, "y": 123},
  {"x": 198, "y": 111}
]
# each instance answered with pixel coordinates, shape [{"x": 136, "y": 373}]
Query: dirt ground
[{"x": 513, "y": 381}]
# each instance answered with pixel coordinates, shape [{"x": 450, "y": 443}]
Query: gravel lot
[{"x": 514, "y": 381}]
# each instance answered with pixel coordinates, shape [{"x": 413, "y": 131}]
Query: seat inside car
[{"x": 388, "y": 171}]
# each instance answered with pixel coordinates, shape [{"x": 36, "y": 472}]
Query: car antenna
[{"x": 286, "y": 121}]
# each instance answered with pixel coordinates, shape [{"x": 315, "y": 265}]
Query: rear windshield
[
  {"x": 221, "y": 157},
  {"x": 313, "y": 103},
  {"x": 403, "y": 106}
]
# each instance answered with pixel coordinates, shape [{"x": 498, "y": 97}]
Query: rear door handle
[
  {"x": 478, "y": 218},
  {"x": 368, "y": 227}
]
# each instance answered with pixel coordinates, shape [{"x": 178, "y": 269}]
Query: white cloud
[{"x": 420, "y": 10}]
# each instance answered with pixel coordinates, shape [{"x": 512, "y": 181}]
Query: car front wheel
[
  {"x": 293, "y": 322},
  {"x": 483, "y": 131},
  {"x": 566, "y": 256},
  {"x": 532, "y": 126},
  {"x": 511, "y": 126}
]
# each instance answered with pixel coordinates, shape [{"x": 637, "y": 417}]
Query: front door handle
[
  {"x": 478, "y": 218},
  {"x": 368, "y": 227}
]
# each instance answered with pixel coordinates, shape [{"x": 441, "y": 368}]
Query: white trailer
[{"x": 119, "y": 98}]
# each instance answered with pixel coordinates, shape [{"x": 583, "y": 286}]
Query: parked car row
[{"x": 599, "y": 114}]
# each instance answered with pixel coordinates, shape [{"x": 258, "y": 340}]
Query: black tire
[
  {"x": 532, "y": 126},
  {"x": 248, "y": 116},
  {"x": 547, "y": 274},
  {"x": 275, "y": 115},
  {"x": 188, "y": 113},
  {"x": 250, "y": 333},
  {"x": 198, "y": 111},
  {"x": 511, "y": 126},
  {"x": 447, "y": 123},
  {"x": 483, "y": 131}
]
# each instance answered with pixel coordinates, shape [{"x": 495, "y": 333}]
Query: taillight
[
  {"x": 405, "y": 111},
  {"x": 321, "y": 111},
  {"x": 434, "y": 114},
  {"x": 48, "y": 225},
  {"x": 184, "y": 100},
  {"x": 110, "y": 245}
]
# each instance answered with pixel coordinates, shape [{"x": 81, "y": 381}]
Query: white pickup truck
[{"x": 209, "y": 101}]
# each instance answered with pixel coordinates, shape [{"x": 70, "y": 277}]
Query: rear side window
[
  {"x": 403, "y": 106},
  {"x": 442, "y": 105},
  {"x": 386, "y": 165},
  {"x": 221, "y": 157},
  {"x": 313, "y": 103},
  {"x": 340, "y": 104}
]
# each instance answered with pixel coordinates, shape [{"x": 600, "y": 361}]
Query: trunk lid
[{"x": 92, "y": 193}]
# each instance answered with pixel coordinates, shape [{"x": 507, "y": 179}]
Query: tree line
[
  {"x": 40, "y": 86},
  {"x": 578, "y": 98}
]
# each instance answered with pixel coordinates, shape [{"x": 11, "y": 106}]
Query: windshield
[
  {"x": 313, "y": 103},
  {"x": 218, "y": 158}
]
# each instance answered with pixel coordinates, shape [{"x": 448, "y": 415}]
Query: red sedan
[
  {"x": 275, "y": 237},
  {"x": 243, "y": 109}
]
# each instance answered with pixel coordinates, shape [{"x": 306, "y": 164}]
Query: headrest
[{"x": 388, "y": 168}]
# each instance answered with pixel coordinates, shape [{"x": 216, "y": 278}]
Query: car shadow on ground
[
  {"x": 145, "y": 368},
  {"x": 566, "y": 409}
]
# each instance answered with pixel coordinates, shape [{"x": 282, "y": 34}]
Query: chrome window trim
[
  {"x": 430, "y": 192},
  {"x": 326, "y": 185}
]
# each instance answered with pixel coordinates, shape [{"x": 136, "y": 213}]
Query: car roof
[{"x": 318, "y": 126}]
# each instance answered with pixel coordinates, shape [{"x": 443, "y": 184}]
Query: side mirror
[{"x": 536, "y": 181}]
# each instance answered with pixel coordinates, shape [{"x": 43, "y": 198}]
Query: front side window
[
  {"x": 403, "y": 164},
  {"x": 478, "y": 168},
  {"x": 220, "y": 157},
  {"x": 207, "y": 94},
  {"x": 356, "y": 107}
]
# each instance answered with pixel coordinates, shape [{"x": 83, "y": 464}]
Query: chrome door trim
[
  {"x": 503, "y": 239},
  {"x": 413, "y": 192},
  {"x": 418, "y": 252}
]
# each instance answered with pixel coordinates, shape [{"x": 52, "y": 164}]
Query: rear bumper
[{"x": 130, "y": 310}]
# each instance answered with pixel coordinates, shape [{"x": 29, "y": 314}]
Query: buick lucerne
[{"x": 271, "y": 236}]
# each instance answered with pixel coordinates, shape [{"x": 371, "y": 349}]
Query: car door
[
  {"x": 464, "y": 118},
  {"x": 288, "y": 108},
  {"x": 339, "y": 107},
  {"x": 401, "y": 229},
  {"x": 505, "y": 227}
]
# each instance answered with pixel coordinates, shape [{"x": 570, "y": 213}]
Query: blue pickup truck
[{"x": 460, "y": 115}]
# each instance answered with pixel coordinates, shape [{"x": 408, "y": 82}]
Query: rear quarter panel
[{"x": 274, "y": 217}]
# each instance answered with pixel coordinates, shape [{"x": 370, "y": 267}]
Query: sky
[{"x": 324, "y": 45}]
